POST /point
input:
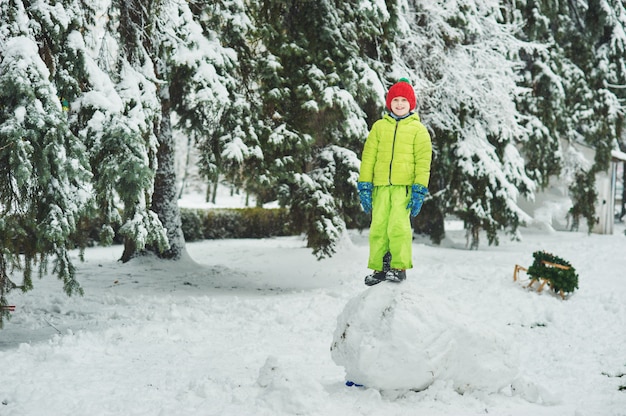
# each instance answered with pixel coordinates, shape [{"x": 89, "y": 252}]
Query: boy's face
[{"x": 400, "y": 106}]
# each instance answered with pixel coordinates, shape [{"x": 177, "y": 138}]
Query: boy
[{"x": 393, "y": 182}]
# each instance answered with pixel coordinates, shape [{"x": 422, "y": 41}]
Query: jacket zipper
[{"x": 393, "y": 147}]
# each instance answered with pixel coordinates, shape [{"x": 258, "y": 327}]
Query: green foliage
[
  {"x": 478, "y": 171},
  {"x": 133, "y": 148},
  {"x": 564, "y": 279},
  {"x": 201, "y": 224},
  {"x": 569, "y": 81},
  {"x": 315, "y": 212},
  {"x": 584, "y": 195},
  {"x": 219, "y": 113},
  {"x": 46, "y": 187},
  {"x": 318, "y": 80},
  {"x": 43, "y": 173}
]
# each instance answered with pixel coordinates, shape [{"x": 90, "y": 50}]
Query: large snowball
[{"x": 397, "y": 337}]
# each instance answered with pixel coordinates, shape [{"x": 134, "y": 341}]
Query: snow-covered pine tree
[
  {"x": 542, "y": 95},
  {"x": 615, "y": 61},
  {"x": 603, "y": 34},
  {"x": 570, "y": 68},
  {"x": 316, "y": 72},
  {"x": 147, "y": 39},
  {"x": 604, "y": 31},
  {"x": 109, "y": 124},
  {"x": 101, "y": 117},
  {"x": 214, "y": 95},
  {"x": 459, "y": 54},
  {"x": 616, "y": 81},
  {"x": 44, "y": 184},
  {"x": 605, "y": 24}
]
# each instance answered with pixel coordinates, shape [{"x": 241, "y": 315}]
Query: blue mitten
[
  {"x": 418, "y": 193},
  {"x": 365, "y": 195}
]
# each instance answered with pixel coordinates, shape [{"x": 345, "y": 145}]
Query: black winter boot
[
  {"x": 375, "y": 278},
  {"x": 395, "y": 275}
]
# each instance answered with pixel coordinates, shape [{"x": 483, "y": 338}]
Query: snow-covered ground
[{"x": 244, "y": 327}]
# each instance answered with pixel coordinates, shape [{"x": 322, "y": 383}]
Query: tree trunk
[
  {"x": 164, "y": 199},
  {"x": 214, "y": 190},
  {"x": 186, "y": 167},
  {"x": 623, "y": 210}
]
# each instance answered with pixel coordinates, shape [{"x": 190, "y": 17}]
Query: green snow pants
[{"x": 390, "y": 229}]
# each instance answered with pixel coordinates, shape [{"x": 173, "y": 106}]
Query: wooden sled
[{"x": 542, "y": 281}]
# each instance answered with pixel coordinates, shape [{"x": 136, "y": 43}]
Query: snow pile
[
  {"x": 401, "y": 337},
  {"x": 285, "y": 389}
]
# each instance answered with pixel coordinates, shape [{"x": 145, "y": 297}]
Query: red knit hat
[{"x": 402, "y": 88}]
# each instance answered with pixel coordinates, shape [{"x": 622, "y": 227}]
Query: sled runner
[
  {"x": 550, "y": 270},
  {"x": 542, "y": 281}
]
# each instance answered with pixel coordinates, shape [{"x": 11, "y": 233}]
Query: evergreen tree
[
  {"x": 568, "y": 74},
  {"x": 147, "y": 40},
  {"x": 107, "y": 109},
  {"x": 316, "y": 73},
  {"x": 44, "y": 170},
  {"x": 215, "y": 99},
  {"x": 69, "y": 38},
  {"x": 614, "y": 59},
  {"x": 103, "y": 107},
  {"x": 459, "y": 55}
]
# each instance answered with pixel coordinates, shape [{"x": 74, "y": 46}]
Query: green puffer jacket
[{"x": 397, "y": 152}]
